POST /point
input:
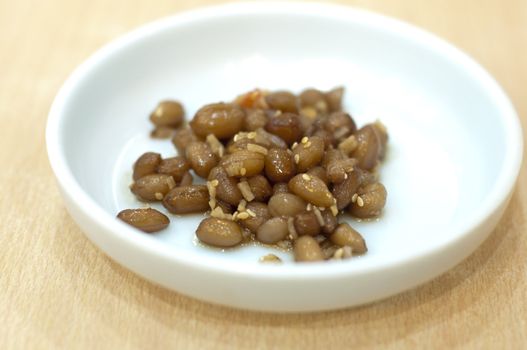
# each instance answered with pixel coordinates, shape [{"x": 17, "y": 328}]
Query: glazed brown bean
[
  {"x": 280, "y": 187},
  {"x": 286, "y": 126},
  {"x": 314, "y": 98},
  {"x": 243, "y": 163},
  {"x": 306, "y": 223},
  {"x": 219, "y": 232},
  {"x": 340, "y": 125},
  {"x": 345, "y": 235},
  {"x": 147, "y": 220},
  {"x": 338, "y": 170},
  {"x": 311, "y": 189},
  {"x": 286, "y": 204},
  {"x": 282, "y": 100},
  {"x": 186, "y": 180},
  {"x": 306, "y": 249},
  {"x": 330, "y": 222},
  {"x": 223, "y": 120},
  {"x": 187, "y": 199},
  {"x": 254, "y": 119},
  {"x": 146, "y": 165},
  {"x": 273, "y": 230},
  {"x": 201, "y": 158},
  {"x": 227, "y": 189},
  {"x": 182, "y": 138},
  {"x": 344, "y": 191},
  {"x": 176, "y": 167},
  {"x": 368, "y": 150},
  {"x": 260, "y": 188},
  {"x": 168, "y": 113},
  {"x": 334, "y": 99},
  {"x": 309, "y": 153},
  {"x": 331, "y": 155},
  {"x": 319, "y": 172},
  {"x": 279, "y": 165},
  {"x": 370, "y": 201},
  {"x": 326, "y": 136},
  {"x": 153, "y": 187},
  {"x": 261, "y": 213}
]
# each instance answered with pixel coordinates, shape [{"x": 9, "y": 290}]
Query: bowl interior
[{"x": 446, "y": 141}]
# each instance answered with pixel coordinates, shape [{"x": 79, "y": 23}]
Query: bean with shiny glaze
[
  {"x": 153, "y": 187},
  {"x": 306, "y": 249},
  {"x": 219, "y": 232},
  {"x": 223, "y": 120},
  {"x": 201, "y": 158},
  {"x": 147, "y": 220},
  {"x": 311, "y": 189},
  {"x": 187, "y": 199},
  {"x": 370, "y": 201},
  {"x": 261, "y": 213},
  {"x": 176, "y": 167},
  {"x": 345, "y": 235},
  {"x": 286, "y": 204},
  {"x": 273, "y": 230},
  {"x": 279, "y": 165},
  {"x": 146, "y": 164},
  {"x": 168, "y": 113}
]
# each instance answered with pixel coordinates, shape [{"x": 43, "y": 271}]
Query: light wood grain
[{"x": 58, "y": 291}]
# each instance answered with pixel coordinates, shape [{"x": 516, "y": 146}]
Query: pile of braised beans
[{"x": 279, "y": 169}]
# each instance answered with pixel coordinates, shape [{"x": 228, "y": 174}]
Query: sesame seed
[
  {"x": 318, "y": 214},
  {"x": 251, "y": 213},
  {"x": 304, "y": 139},
  {"x": 158, "y": 195},
  {"x": 354, "y": 197},
  {"x": 306, "y": 177},
  {"x": 338, "y": 254},
  {"x": 243, "y": 171},
  {"x": 307, "y": 144},
  {"x": 243, "y": 216},
  {"x": 297, "y": 158},
  {"x": 212, "y": 203},
  {"x": 270, "y": 258},
  {"x": 309, "y": 206},
  {"x": 360, "y": 201},
  {"x": 241, "y": 205},
  {"x": 345, "y": 176},
  {"x": 215, "y": 182},
  {"x": 334, "y": 210},
  {"x": 251, "y": 135},
  {"x": 294, "y": 145},
  {"x": 245, "y": 189},
  {"x": 236, "y": 137}
]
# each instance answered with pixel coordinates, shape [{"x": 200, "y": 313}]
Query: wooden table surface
[{"x": 59, "y": 291}]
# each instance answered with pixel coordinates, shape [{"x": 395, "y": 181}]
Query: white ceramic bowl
[{"x": 455, "y": 145}]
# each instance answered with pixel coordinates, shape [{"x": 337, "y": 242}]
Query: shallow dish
[{"x": 455, "y": 145}]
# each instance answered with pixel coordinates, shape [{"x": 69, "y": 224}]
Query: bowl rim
[{"x": 498, "y": 195}]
